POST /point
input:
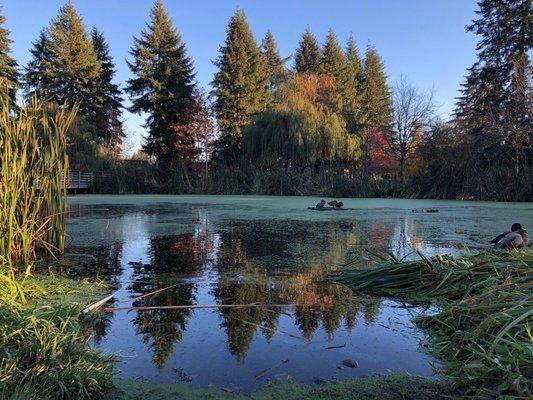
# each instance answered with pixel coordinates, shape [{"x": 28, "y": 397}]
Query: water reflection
[{"x": 202, "y": 260}]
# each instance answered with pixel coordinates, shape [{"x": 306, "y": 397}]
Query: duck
[
  {"x": 320, "y": 204},
  {"x": 511, "y": 240}
]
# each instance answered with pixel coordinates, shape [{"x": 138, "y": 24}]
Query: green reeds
[
  {"x": 33, "y": 169},
  {"x": 482, "y": 334}
]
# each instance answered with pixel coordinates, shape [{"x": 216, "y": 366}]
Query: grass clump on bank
[
  {"x": 482, "y": 334},
  {"x": 43, "y": 342}
]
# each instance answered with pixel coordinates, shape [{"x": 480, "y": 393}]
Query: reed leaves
[{"x": 482, "y": 332}]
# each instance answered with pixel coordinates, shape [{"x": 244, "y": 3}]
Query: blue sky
[{"x": 424, "y": 40}]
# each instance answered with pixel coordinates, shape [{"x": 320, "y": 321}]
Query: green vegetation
[
  {"x": 384, "y": 388},
  {"x": 196, "y": 144},
  {"x": 163, "y": 87},
  {"x": 43, "y": 351},
  {"x": 241, "y": 86},
  {"x": 43, "y": 341},
  {"x": 482, "y": 331}
]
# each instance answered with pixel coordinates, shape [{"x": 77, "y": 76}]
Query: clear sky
[{"x": 424, "y": 40}]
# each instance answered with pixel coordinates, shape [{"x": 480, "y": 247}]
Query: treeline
[{"x": 324, "y": 120}]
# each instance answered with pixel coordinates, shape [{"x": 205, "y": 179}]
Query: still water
[{"x": 267, "y": 250}]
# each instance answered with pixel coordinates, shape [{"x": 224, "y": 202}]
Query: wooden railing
[{"x": 83, "y": 180}]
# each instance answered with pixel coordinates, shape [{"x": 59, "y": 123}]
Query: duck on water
[
  {"x": 511, "y": 240},
  {"x": 333, "y": 205}
]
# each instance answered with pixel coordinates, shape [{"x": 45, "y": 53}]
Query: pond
[{"x": 267, "y": 250}]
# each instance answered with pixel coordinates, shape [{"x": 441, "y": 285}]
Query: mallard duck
[
  {"x": 511, "y": 240},
  {"x": 320, "y": 204}
]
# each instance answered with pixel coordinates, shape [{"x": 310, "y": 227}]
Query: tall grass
[
  {"x": 482, "y": 334},
  {"x": 43, "y": 349},
  {"x": 33, "y": 169}
]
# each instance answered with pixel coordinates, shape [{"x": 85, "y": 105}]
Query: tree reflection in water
[{"x": 246, "y": 262}]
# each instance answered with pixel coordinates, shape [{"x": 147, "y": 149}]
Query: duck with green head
[{"x": 511, "y": 240}]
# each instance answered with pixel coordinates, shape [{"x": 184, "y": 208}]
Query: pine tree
[
  {"x": 506, "y": 39},
  {"x": 107, "y": 117},
  {"x": 72, "y": 67},
  {"x": 240, "y": 85},
  {"x": 493, "y": 114},
  {"x": 9, "y": 75},
  {"x": 308, "y": 56},
  {"x": 352, "y": 88},
  {"x": 376, "y": 101},
  {"x": 36, "y": 76},
  {"x": 333, "y": 59},
  {"x": 276, "y": 70},
  {"x": 163, "y": 87}
]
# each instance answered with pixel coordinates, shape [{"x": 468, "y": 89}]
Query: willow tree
[{"x": 302, "y": 128}]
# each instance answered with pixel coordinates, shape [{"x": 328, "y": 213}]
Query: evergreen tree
[
  {"x": 8, "y": 66},
  {"x": 352, "y": 88},
  {"x": 333, "y": 59},
  {"x": 308, "y": 56},
  {"x": 376, "y": 94},
  {"x": 163, "y": 87},
  {"x": 36, "y": 76},
  {"x": 240, "y": 85},
  {"x": 275, "y": 65},
  {"x": 506, "y": 38},
  {"x": 72, "y": 67},
  {"x": 107, "y": 117},
  {"x": 493, "y": 113}
]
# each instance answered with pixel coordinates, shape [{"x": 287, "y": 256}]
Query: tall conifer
[
  {"x": 163, "y": 86},
  {"x": 107, "y": 117},
  {"x": 376, "y": 93},
  {"x": 308, "y": 57},
  {"x": 71, "y": 65},
  {"x": 36, "y": 75},
  {"x": 275, "y": 65},
  {"x": 241, "y": 85},
  {"x": 333, "y": 59},
  {"x": 352, "y": 88},
  {"x": 9, "y": 75}
]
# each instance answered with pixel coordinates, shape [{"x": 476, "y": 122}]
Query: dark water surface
[{"x": 267, "y": 250}]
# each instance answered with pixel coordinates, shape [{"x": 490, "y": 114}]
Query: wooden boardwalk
[{"x": 81, "y": 181}]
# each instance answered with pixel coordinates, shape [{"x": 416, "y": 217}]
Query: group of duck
[{"x": 333, "y": 204}]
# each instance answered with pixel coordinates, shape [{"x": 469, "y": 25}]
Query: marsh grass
[
  {"x": 44, "y": 343},
  {"x": 482, "y": 334},
  {"x": 43, "y": 340},
  {"x": 33, "y": 169}
]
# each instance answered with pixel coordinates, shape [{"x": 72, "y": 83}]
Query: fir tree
[
  {"x": 163, "y": 87},
  {"x": 240, "y": 85},
  {"x": 71, "y": 65},
  {"x": 333, "y": 59},
  {"x": 275, "y": 65},
  {"x": 308, "y": 57},
  {"x": 376, "y": 94},
  {"x": 36, "y": 75},
  {"x": 9, "y": 74},
  {"x": 107, "y": 117},
  {"x": 352, "y": 88},
  {"x": 506, "y": 38},
  {"x": 494, "y": 110}
]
